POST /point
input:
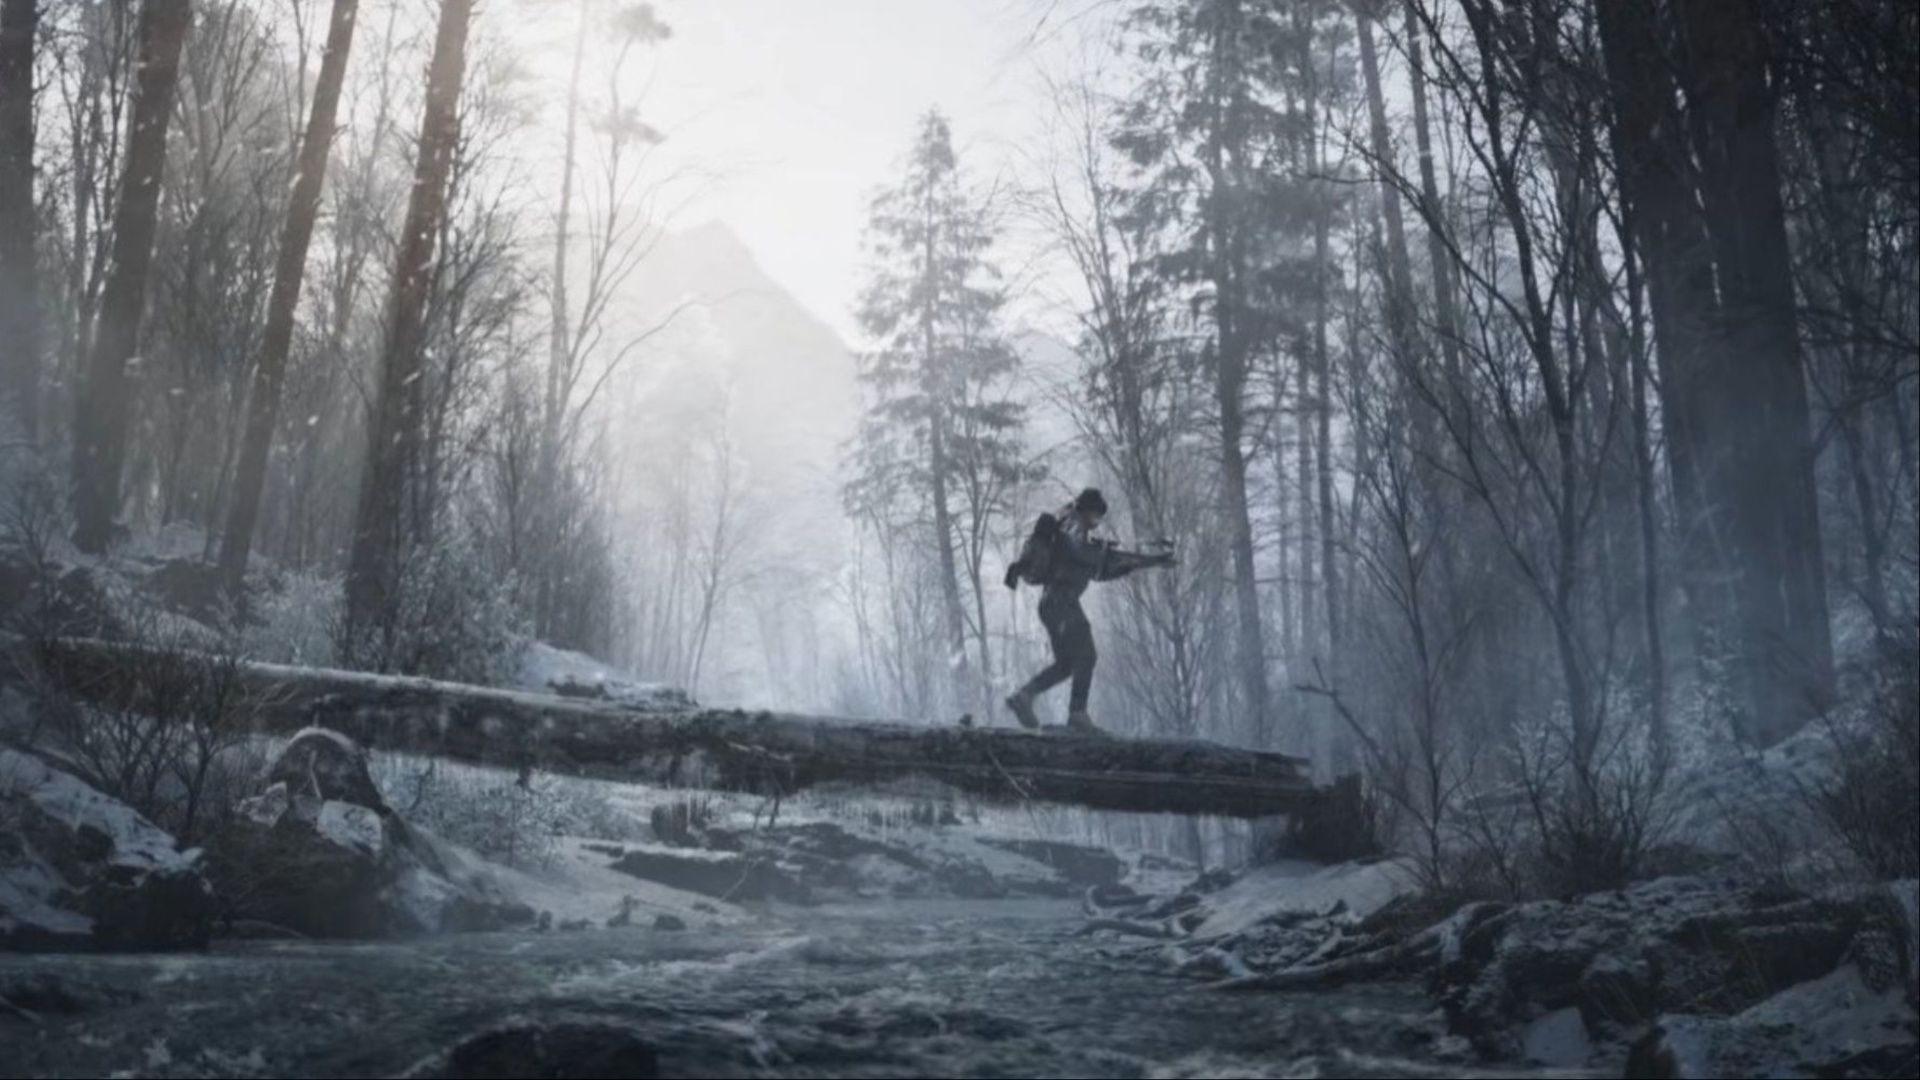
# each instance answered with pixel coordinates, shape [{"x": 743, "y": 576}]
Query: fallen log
[{"x": 756, "y": 752}]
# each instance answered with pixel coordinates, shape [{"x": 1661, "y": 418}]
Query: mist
[{"x": 589, "y": 537}]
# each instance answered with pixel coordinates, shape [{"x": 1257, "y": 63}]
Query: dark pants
[{"x": 1073, "y": 654}]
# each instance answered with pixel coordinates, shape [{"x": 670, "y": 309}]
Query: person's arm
[
  {"x": 1082, "y": 550},
  {"x": 1121, "y": 563}
]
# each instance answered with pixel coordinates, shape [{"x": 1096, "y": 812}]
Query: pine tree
[{"x": 941, "y": 428}]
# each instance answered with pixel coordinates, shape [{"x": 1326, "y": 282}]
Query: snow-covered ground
[
  {"x": 1289, "y": 888},
  {"x": 549, "y": 670}
]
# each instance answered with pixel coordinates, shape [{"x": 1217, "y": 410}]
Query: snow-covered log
[{"x": 756, "y": 752}]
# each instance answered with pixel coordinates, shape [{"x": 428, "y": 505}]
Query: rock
[
  {"x": 1083, "y": 867},
  {"x": 1621, "y": 959},
  {"x": 34, "y": 994},
  {"x": 81, "y": 870},
  {"x": 623, "y": 917},
  {"x": 327, "y": 765},
  {"x": 319, "y": 853},
  {"x": 558, "y": 1049},
  {"x": 724, "y": 876},
  {"x": 664, "y": 921},
  {"x": 1834, "y": 1026},
  {"x": 1904, "y": 897}
]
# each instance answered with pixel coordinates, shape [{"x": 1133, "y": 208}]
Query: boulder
[
  {"x": 1621, "y": 960},
  {"x": 319, "y": 852},
  {"x": 81, "y": 870},
  {"x": 582, "y": 1048},
  {"x": 723, "y": 875},
  {"x": 1080, "y": 867},
  {"x": 327, "y": 765},
  {"x": 1835, "y": 1026}
]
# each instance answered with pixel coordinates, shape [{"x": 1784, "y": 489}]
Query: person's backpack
[{"x": 1035, "y": 564}]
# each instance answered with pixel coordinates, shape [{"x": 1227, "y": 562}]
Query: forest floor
[{"x": 880, "y": 989}]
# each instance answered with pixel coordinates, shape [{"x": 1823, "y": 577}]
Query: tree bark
[
  {"x": 936, "y": 380},
  {"x": 1445, "y": 304},
  {"x": 1231, "y": 349},
  {"x": 1763, "y": 462},
  {"x": 675, "y": 743},
  {"x": 19, "y": 271},
  {"x": 1399, "y": 266},
  {"x": 393, "y": 431},
  {"x": 269, "y": 373},
  {"x": 104, "y": 402}
]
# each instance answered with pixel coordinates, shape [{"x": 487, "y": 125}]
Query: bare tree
[
  {"x": 394, "y": 435},
  {"x": 19, "y": 269},
  {"x": 303, "y": 207},
  {"x": 105, "y": 399}
]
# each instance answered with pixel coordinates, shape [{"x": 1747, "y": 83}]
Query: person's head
[{"x": 1091, "y": 506}]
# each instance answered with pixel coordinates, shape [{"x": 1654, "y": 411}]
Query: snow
[
  {"x": 346, "y": 745},
  {"x": 1792, "y": 1033},
  {"x": 545, "y": 669},
  {"x": 1558, "y": 1038},
  {"x": 355, "y": 828},
  {"x": 137, "y": 842},
  {"x": 579, "y": 883},
  {"x": 32, "y": 889},
  {"x": 1290, "y": 887}
]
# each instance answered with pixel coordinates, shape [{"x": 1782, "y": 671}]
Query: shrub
[
  {"x": 453, "y": 617},
  {"x": 167, "y": 728},
  {"x": 296, "y": 621},
  {"x": 1872, "y": 801},
  {"x": 1594, "y": 823}
]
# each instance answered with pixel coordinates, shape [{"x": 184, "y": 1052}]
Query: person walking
[{"x": 1072, "y": 558}]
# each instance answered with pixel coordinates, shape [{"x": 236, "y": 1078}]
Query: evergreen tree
[{"x": 942, "y": 433}]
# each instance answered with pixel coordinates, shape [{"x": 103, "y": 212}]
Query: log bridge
[{"x": 676, "y": 743}]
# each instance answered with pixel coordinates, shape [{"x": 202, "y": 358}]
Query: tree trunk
[
  {"x": 681, "y": 745},
  {"x": 1230, "y": 377},
  {"x": 1400, "y": 310},
  {"x": 1322, "y": 363},
  {"x": 19, "y": 272},
  {"x": 393, "y": 431},
  {"x": 1763, "y": 463},
  {"x": 105, "y": 398},
  {"x": 303, "y": 207},
  {"x": 1445, "y": 305}
]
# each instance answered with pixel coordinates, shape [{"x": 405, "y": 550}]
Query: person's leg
[
  {"x": 1084, "y": 657},
  {"x": 1062, "y": 667},
  {"x": 1055, "y": 673},
  {"x": 1077, "y": 635}
]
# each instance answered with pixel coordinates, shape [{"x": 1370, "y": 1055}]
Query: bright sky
[{"x": 805, "y": 108}]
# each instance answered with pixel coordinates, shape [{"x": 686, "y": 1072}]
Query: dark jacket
[{"x": 1078, "y": 559}]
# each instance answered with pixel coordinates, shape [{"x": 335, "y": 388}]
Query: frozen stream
[{"x": 908, "y": 989}]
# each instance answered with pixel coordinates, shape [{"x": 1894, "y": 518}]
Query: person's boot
[
  {"x": 1020, "y": 703},
  {"x": 1079, "y": 722}
]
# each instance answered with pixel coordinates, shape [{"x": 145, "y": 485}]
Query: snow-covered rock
[
  {"x": 1621, "y": 959},
  {"x": 1836, "y": 1025},
  {"x": 81, "y": 870},
  {"x": 812, "y": 861},
  {"x": 325, "y": 764},
  {"x": 320, "y": 853},
  {"x": 1271, "y": 918},
  {"x": 551, "y": 1046}
]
